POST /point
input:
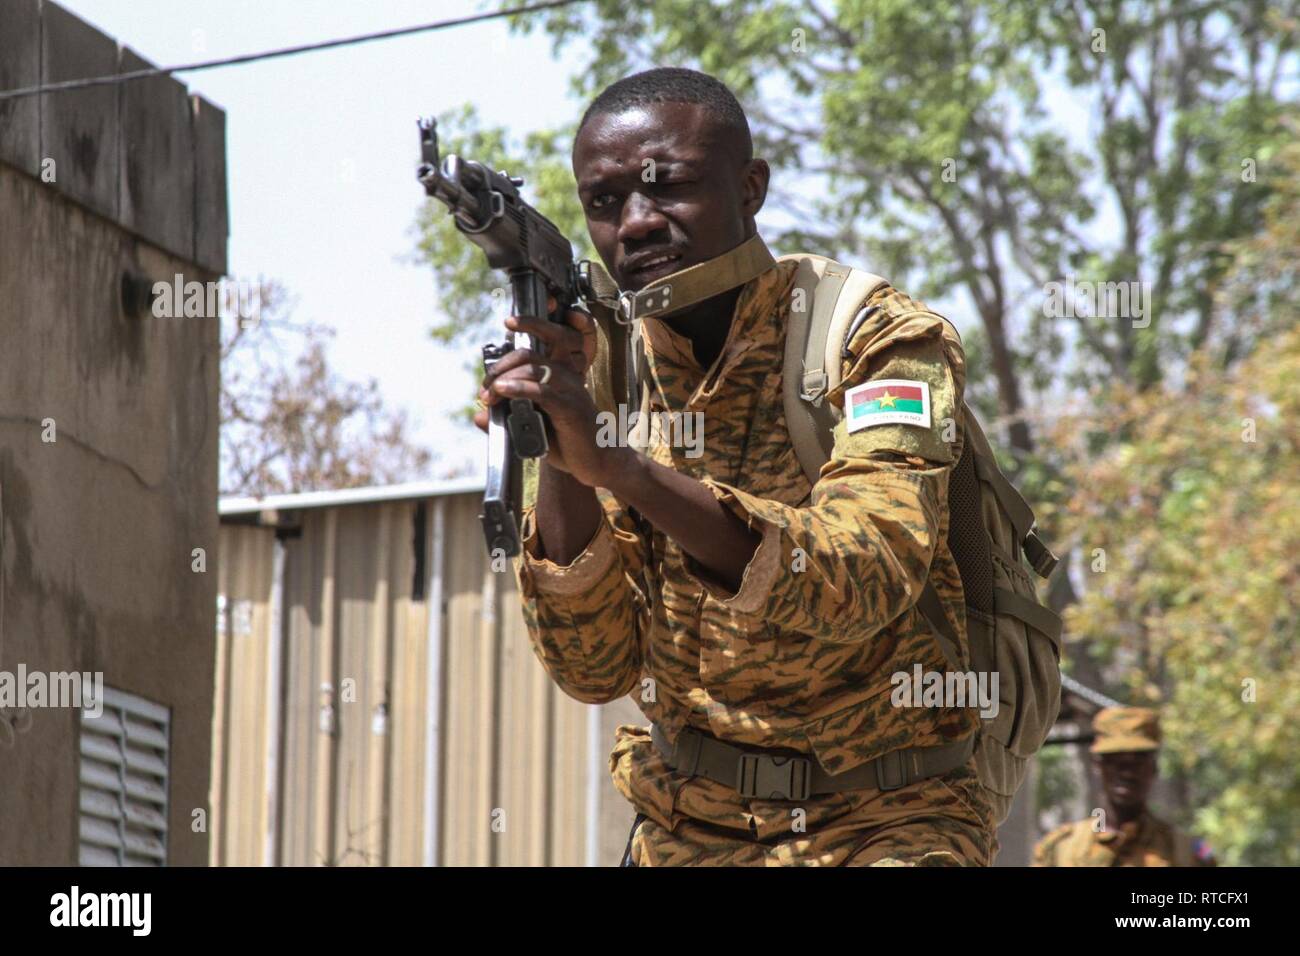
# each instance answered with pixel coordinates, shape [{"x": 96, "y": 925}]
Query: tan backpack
[
  {"x": 991, "y": 528},
  {"x": 990, "y": 532}
]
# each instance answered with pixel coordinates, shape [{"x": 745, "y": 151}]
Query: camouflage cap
[{"x": 1126, "y": 730}]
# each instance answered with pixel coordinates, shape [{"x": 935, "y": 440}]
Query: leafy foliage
[
  {"x": 935, "y": 143},
  {"x": 1190, "y": 530}
]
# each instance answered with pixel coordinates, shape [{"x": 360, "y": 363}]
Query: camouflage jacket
[
  {"x": 1145, "y": 841},
  {"x": 802, "y": 656}
]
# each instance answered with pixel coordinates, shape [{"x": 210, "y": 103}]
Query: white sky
[{"x": 322, "y": 151}]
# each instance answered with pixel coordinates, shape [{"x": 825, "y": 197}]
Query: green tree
[
  {"x": 982, "y": 147},
  {"x": 1189, "y": 524},
  {"x": 931, "y": 142}
]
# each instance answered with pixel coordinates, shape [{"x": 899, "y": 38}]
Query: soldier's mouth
[
  {"x": 656, "y": 260},
  {"x": 646, "y": 268}
]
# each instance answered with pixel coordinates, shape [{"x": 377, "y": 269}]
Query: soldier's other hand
[{"x": 557, "y": 383}]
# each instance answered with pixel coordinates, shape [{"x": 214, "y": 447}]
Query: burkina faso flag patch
[{"x": 893, "y": 401}]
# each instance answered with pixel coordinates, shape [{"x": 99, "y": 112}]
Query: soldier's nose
[{"x": 641, "y": 219}]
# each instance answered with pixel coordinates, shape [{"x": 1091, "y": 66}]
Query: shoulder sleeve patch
[
  {"x": 906, "y": 403},
  {"x": 890, "y": 401}
]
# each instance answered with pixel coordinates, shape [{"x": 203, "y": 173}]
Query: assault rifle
[{"x": 538, "y": 259}]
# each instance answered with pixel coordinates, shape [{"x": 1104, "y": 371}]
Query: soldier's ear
[{"x": 757, "y": 175}]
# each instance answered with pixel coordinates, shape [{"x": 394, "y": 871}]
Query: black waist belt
[{"x": 776, "y": 775}]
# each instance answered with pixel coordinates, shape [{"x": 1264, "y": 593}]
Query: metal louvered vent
[{"x": 125, "y": 757}]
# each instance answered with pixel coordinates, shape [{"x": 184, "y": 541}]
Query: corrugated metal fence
[{"x": 350, "y": 729}]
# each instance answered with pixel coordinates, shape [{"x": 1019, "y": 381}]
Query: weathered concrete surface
[
  {"x": 142, "y": 153},
  {"x": 211, "y": 212},
  {"x": 79, "y": 130},
  {"x": 20, "y": 66},
  {"x": 156, "y": 198},
  {"x": 99, "y": 525}
]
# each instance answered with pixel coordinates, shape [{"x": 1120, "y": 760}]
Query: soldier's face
[
  {"x": 663, "y": 188},
  {"x": 1127, "y": 778}
]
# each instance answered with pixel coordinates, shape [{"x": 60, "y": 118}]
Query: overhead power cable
[{"x": 283, "y": 51}]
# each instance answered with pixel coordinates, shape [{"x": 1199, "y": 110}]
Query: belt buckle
[
  {"x": 773, "y": 778},
  {"x": 894, "y": 759}
]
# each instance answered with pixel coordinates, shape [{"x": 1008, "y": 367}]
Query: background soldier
[{"x": 1124, "y": 752}]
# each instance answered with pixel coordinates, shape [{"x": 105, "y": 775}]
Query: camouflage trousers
[{"x": 681, "y": 821}]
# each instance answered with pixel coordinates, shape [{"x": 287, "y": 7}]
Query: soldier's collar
[{"x": 687, "y": 287}]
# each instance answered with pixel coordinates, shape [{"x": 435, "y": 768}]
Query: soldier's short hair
[{"x": 671, "y": 84}]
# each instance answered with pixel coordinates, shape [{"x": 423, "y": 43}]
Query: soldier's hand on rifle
[{"x": 572, "y": 426}]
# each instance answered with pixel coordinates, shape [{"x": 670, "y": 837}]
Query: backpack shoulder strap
[{"x": 827, "y": 296}]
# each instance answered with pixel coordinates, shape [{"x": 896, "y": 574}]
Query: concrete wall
[
  {"x": 145, "y": 155},
  {"x": 97, "y": 526},
  {"x": 322, "y": 775}
]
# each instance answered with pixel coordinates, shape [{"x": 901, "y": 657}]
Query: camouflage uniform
[
  {"x": 802, "y": 655},
  {"x": 1145, "y": 841}
]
